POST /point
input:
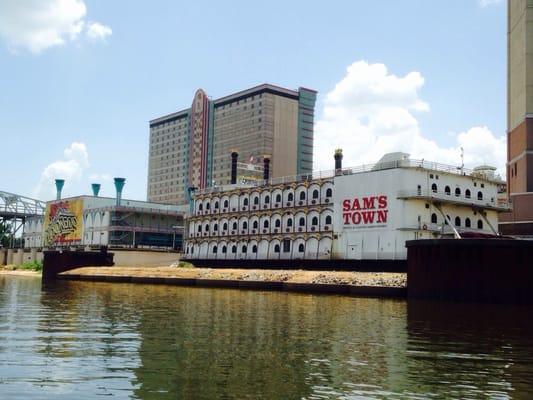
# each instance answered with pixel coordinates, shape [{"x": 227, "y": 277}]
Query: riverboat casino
[{"x": 362, "y": 213}]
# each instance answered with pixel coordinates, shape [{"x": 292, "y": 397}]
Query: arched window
[
  {"x": 216, "y": 205},
  {"x": 467, "y": 222},
  {"x": 244, "y": 249},
  {"x": 447, "y": 190},
  {"x": 215, "y": 249},
  {"x": 457, "y": 221},
  {"x": 277, "y": 224},
  {"x": 255, "y": 225},
  {"x": 207, "y": 206},
  {"x": 234, "y": 226},
  {"x": 301, "y": 248},
  {"x": 267, "y": 199},
  {"x": 467, "y": 193},
  {"x": 200, "y": 207},
  {"x": 206, "y": 227},
  {"x": 278, "y": 198},
  {"x": 199, "y": 228},
  {"x": 245, "y": 202},
  {"x": 289, "y": 222},
  {"x": 328, "y": 219},
  {"x": 302, "y": 221},
  {"x": 290, "y": 197},
  {"x": 245, "y": 225},
  {"x": 225, "y": 226},
  {"x": 315, "y": 194},
  {"x": 433, "y": 218},
  {"x": 276, "y": 248},
  {"x": 215, "y": 227},
  {"x": 234, "y": 249},
  {"x": 265, "y": 224},
  {"x": 314, "y": 221},
  {"x": 479, "y": 224},
  {"x": 434, "y": 188},
  {"x": 457, "y": 192},
  {"x": 256, "y": 200},
  {"x": 224, "y": 249},
  {"x": 302, "y": 195},
  {"x": 479, "y": 196},
  {"x": 329, "y": 192},
  {"x": 226, "y": 203},
  {"x": 254, "y": 249}
]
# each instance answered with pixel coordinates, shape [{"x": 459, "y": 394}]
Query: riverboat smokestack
[
  {"x": 96, "y": 189},
  {"x": 119, "y": 185},
  {"x": 266, "y": 168},
  {"x": 234, "y": 157},
  {"x": 59, "y": 187},
  {"x": 338, "y": 161}
]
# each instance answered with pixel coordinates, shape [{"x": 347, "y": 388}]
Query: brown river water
[{"x": 89, "y": 340}]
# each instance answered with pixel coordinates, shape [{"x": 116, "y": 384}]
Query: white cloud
[
  {"x": 486, "y": 3},
  {"x": 75, "y": 161},
  {"x": 97, "y": 31},
  {"x": 37, "y": 25},
  {"x": 371, "y": 112}
]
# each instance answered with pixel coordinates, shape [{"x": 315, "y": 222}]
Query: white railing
[
  {"x": 407, "y": 163},
  {"x": 453, "y": 198}
]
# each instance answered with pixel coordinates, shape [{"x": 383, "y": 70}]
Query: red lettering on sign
[
  {"x": 346, "y": 205},
  {"x": 346, "y": 217},
  {"x": 368, "y": 217},
  {"x": 356, "y": 218},
  {"x": 382, "y": 216},
  {"x": 382, "y": 201},
  {"x": 358, "y": 211},
  {"x": 368, "y": 203}
]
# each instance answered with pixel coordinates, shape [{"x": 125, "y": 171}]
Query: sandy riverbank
[
  {"x": 9, "y": 270},
  {"x": 379, "y": 279}
]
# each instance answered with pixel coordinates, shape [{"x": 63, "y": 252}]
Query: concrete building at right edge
[{"x": 519, "y": 119}]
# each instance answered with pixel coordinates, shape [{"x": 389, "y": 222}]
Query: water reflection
[{"x": 88, "y": 339}]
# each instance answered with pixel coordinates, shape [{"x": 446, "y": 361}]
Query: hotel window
[
  {"x": 244, "y": 249},
  {"x": 234, "y": 249},
  {"x": 289, "y": 222},
  {"x": 255, "y": 225},
  {"x": 329, "y": 192},
  {"x": 302, "y": 221},
  {"x": 265, "y": 224},
  {"x": 254, "y": 249},
  {"x": 457, "y": 192},
  {"x": 290, "y": 197},
  {"x": 277, "y": 224},
  {"x": 225, "y": 226},
  {"x": 267, "y": 199},
  {"x": 245, "y": 225},
  {"x": 314, "y": 221},
  {"x": 214, "y": 249},
  {"x": 302, "y": 195},
  {"x": 278, "y": 198}
]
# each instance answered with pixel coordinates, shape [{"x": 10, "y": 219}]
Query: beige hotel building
[{"x": 192, "y": 148}]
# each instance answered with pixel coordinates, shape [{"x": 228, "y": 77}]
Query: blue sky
[{"x": 425, "y": 77}]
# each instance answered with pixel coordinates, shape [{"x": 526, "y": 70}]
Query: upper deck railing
[{"x": 406, "y": 163}]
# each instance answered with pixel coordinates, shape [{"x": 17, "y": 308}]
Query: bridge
[{"x": 15, "y": 209}]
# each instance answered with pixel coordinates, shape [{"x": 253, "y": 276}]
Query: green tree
[{"x": 5, "y": 234}]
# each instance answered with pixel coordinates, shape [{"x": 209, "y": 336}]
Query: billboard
[{"x": 63, "y": 222}]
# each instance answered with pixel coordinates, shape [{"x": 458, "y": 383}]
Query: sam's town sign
[{"x": 365, "y": 210}]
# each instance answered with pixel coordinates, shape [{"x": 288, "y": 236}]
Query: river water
[{"x": 85, "y": 340}]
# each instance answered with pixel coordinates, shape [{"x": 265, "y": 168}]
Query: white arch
[
  {"x": 244, "y": 198},
  {"x": 285, "y": 222},
  {"x": 262, "y": 228},
  {"x": 324, "y": 248},
  {"x": 215, "y": 205},
  {"x": 262, "y": 253},
  {"x": 277, "y": 192},
  {"x": 273, "y": 218},
  {"x": 221, "y": 255},
  {"x": 297, "y": 226},
  {"x": 311, "y": 248},
  {"x": 271, "y": 249},
  {"x": 265, "y": 193},
  {"x": 203, "y": 250},
  {"x": 251, "y": 255},
  {"x": 313, "y": 189},
  {"x": 310, "y": 227},
  {"x": 242, "y": 229},
  {"x": 323, "y": 216},
  {"x": 233, "y": 227},
  {"x": 234, "y": 202},
  {"x": 223, "y": 200},
  {"x": 223, "y": 232},
  {"x": 298, "y": 194},
  {"x": 286, "y": 201},
  {"x": 324, "y": 189},
  {"x": 296, "y": 254},
  {"x": 254, "y": 218},
  {"x": 255, "y": 204}
]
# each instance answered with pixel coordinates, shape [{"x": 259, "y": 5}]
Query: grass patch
[
  {"x": 185, "y": 264},
  {"x": 31, "y": 265}
]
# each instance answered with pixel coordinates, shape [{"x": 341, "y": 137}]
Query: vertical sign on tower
[{"x": 198, "y": 140}]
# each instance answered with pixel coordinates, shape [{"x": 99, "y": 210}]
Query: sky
[{"x": 80, "y": 79}]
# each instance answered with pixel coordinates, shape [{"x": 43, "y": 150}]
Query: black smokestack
[
  {"x": 338, "y": 160},
  {"x": 234, "y": 156},
  {"x": 266, "y": 168}
]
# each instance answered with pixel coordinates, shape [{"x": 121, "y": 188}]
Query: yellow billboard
[{"x": 63, "y": 222}]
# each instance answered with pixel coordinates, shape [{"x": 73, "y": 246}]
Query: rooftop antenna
[{"x": 462, "y": 160}]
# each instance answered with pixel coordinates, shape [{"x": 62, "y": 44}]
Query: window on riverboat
[
  {"x": 314, "y": 221},
  {"x": 224, "y": 249},
  {"x": 328, "y": 219},
  {"x": 302, "y": 195},
  {"x": 225, "y": 226},
  {"x": 215, "y": 249},
  {"x": 467, "y": 193},
  {"x": 215, "y": 227},
  {"x": 479, "y": 196},
  {"x": 302, "y": 221},
  {"x": 226, "y": 204},
  {"x": 276, "y": 248},
  {"x": 234, "y": 226},
  {"x": 255, "y": 225},
  {"x": 245, "y": 202},
  {"x": 200, "y": 207},
  {"x": 467, "y": 222},
  {"x": 216, "y": 205},
  {"x": 433, "y": 218},
  {"x": 479, "y": 224},
  {"x": 277, "y": 224},
  {"x": 245, "y": 225},
  {"x": 265, "y": 224},
  {"x": 447, "y": 190},
  {"x": 315, "y": 194},
  {"x": 301, "y": 248},
  {"x": 457, "y": 221},
  {"x": 457, "y": 192},
  {"x": 290, "y": 197},
  {"x": 234, "y": 249},
  {"x": 267, "y": 199},
  {"x": 254, "y": 249},
  {"x": 278, "y": 198},
  {"x": 256, "y": 200},
  {"x": 244, "y": 249},
  {"x": 286, "y": 245},
  {"x": 199, "y": 228},
  {"x": 434, "y": 188},
  {"x": 329, "y": 192},
  {"x": 289, "y": 222}
]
